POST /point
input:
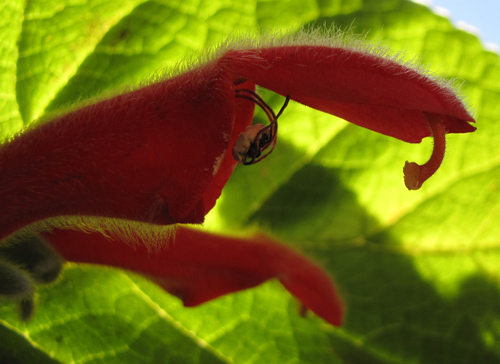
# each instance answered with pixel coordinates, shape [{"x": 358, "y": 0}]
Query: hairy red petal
[
  {"x": 371, "y": 91},
  {"x": 149, "y": 155},
  {"x": 199, "y": 267}
]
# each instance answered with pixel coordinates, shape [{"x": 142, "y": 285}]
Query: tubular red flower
[
  {"x": 162, "y": 153},
  {"x": 159, "y": 154},
  {"x": 200, "y": 267},
  {"x": 374, "y": 92}
]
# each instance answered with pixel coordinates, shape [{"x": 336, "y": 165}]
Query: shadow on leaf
[{"x": 393, "y": 313}]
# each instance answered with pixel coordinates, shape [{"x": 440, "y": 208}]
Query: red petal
[
  {"x": 199, "y": 267},
  {"x": 244, "y": 110},
  {"x": 371, "y": 91},
  {"x": 149, "y": 155}
]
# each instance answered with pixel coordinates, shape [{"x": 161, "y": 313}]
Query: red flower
[
  {"x": 156, "y": 154},
  {"x": 371, "y": 91},
  {"x": 199, "y": 267},
  {"x": 162, "y": 153}
]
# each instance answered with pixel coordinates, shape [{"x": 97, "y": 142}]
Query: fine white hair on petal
[
  {"x": 334, "y": 37},
  {"x": 313, "y": 36},
  {"x": 326, "y": 36},
  {"x": 132, "y": 232}
]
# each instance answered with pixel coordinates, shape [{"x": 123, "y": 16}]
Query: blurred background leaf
[{"x": 418, "y": 270}]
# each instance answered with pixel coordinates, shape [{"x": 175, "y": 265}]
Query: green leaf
[
  {"x": 418, "y": 270},
  {"x": 10, "y": 23}
]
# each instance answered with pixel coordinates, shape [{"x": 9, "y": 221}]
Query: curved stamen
[
  {"x": 258, "y": 138},
  {"x": 415, "y": 175},
  {"x": 255, "y": 98}
]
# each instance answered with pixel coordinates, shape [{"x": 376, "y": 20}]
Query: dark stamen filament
[{"x": 267, "y": 137}]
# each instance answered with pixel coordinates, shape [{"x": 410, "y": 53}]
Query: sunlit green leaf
[{"x": 418, "y": 270}]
